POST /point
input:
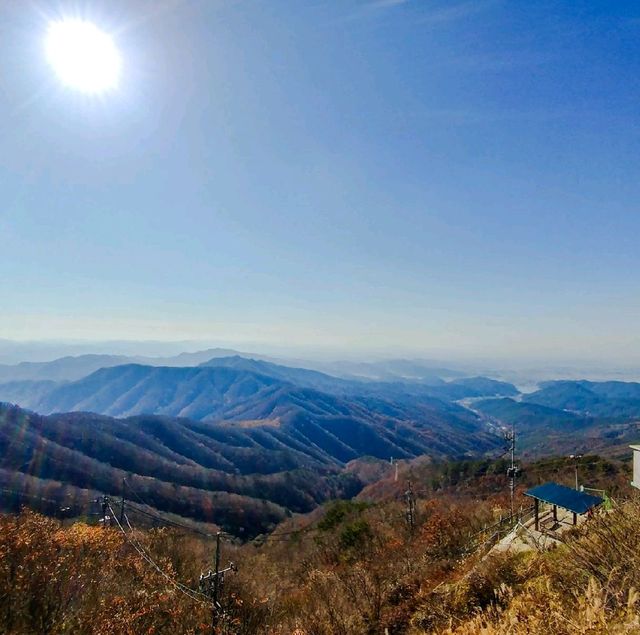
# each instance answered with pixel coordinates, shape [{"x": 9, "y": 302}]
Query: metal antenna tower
[
  {"x": 576, "y": 458},
  {"x": 512, "y": 470},
  {"x": 410, "y": 499}
]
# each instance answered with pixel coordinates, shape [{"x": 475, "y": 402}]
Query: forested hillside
[
  {"x": 344, "y": 421},
  {"x": 242, "y": 475},
  {"x": 243, "y": 443},
  {"x": 545, "y": 430},
  {"x": 243, "y": 479},
  {"x": 213, "y": 389},
  {"x": 607, "y": 398},
  {"x": 349, "y": 568}
]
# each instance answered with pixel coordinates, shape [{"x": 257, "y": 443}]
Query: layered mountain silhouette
[
  {"x": 232, "y": 446},
  {"x": 563, "y": 401},
  {"x": 262, "y": 439},
  {"x": 607, "y": 398},
  {"x": 70, "y": 368},
  {"x": 239, "y": 478},
  {"x": 345, "y": 420},
  {"x": 571, "y": 416},
  {"x": 244, "y": 442}
]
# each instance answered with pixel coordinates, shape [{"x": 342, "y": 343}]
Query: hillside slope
[
  {"x": 233, "y": 477},
  {"x": 390, "y": 421},
  {"x": 609, "y": 398},
  {"x": 350, "y": 567},
  {"x": 543, "y": 430},
  {"x": 279, "y": 444}
]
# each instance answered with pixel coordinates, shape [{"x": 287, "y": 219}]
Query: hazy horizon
[{"x": 16, "y": 351}]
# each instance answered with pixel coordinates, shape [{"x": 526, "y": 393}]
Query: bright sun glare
[{"x": 82, "y": 56}]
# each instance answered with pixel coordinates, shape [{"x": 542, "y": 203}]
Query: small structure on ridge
[
  {"x": 636, "y": 465},
  {"x": 574, "y": 501}
]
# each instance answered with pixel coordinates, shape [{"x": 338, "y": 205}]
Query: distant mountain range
[
  {"x": 216, "y": 385},
  {"x": 244, "y": 429},
  {"x": 71, "y": 368},
  {"x": 263, "y": 439},
  {"x": 564, "y": 401},
  {"x": 347, "y": 419},
  {"x": 248, "y": 449},
  {"x": 570, "y": 416},
  {"x": 601, "y": 399}
]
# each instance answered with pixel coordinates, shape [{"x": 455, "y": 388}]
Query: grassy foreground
[{"x": 357, "y": 571}]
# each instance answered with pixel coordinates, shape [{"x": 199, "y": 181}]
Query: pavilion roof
[{"x": 565, "y": 497}]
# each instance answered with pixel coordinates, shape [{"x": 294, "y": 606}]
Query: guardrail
[{"x": 490, "y": 534}]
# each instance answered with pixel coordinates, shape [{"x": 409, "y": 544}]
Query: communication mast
[
  {"x": 410, "y": 499},
  {"x": 512, "y": 470}
]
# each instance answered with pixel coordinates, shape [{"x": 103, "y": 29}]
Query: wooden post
[
  {"x": 555, "y": 513},
  {"x": 536, "y": 506},
  {"x": 575, "y": 518}
]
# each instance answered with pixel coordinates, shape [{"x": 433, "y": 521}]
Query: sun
[{"x": 83, "y": 57}]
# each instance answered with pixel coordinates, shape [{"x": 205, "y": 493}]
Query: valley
[{"x": 243, "y": 443}]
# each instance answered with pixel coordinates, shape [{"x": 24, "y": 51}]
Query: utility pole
[
  {"x": 410, "y": 499},
  {"x": 212, "y": 584},
  {"x": 216, "y": 581},
  {"x": 576, "y": 458},
  {"x": 512, "y": 470},
  {"x": 122, "y": 504},
  {"x": 105, "y": 506}
]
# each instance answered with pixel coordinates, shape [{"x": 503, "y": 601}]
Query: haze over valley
[{"x": 246, "y": 429}]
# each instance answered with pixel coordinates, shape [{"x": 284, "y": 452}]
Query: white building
[{"x": 636, "y": 465}]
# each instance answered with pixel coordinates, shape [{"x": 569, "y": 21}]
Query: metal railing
[{"x": 491, "y": 534}]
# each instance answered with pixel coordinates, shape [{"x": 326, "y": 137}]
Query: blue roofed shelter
[{"x": 560, "y": 496}]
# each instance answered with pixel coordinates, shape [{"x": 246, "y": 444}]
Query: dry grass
[
  {"x": 588, "y": 585},
  {"x": 360, "y": 572}
]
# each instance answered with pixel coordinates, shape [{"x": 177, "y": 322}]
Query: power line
[
  {"x": 27, "y": 495},
  {"x": 141, "y": 550},
  {"x": 157, "y": 516},
  {"x": 133, "y": 491},
  {"x": 166, "y": 521},
  {"x": 290, "y": 532},
  {"x": 191, "y": 593},
  {"x": 283, "y": 535}
]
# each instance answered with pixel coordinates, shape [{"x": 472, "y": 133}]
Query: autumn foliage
[
  {"x": 82, "y": 579},
  {"x": 351, "y": 568}
]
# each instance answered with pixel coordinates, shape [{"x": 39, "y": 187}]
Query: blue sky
[{"x": 431, "y": 177}]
